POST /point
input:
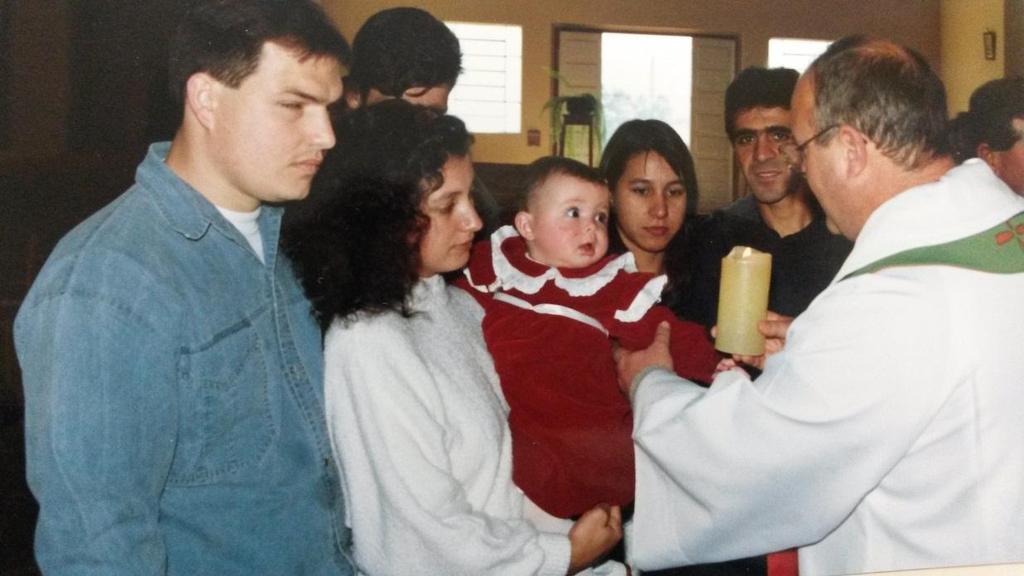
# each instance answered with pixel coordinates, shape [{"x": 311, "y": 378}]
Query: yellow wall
[
  {"x": 912, "y": 22},
  {"x": 964, "y": 66}
]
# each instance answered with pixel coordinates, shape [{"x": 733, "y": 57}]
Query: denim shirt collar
[{"x": 189, "y": 213}]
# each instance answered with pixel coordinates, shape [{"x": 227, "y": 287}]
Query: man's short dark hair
[
  {"x": 225, "y": 38},
  {"x": 402, "y": 48},
  {"x": 886, "y": 91},
  {"x": 989, "y": 119},
  {"x": 757, "y": 87},
  {"x": 540, "y": 170}
]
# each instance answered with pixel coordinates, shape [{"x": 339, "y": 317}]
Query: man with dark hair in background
[
  {"x": 993, "y": 129},
  {"x": 403, "y": 53},
  {"x": 886, "y": 433},
  {"x": 407, "y": 53},
  {"x": 778, "y": 216},
  {"x": 172, "y": 368}
]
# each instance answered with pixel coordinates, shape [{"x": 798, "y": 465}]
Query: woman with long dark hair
[
  {"x": 654, "y": 186},
  {"x": 415, "y": 412}
]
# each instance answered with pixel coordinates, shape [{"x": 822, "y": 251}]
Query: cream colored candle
[{"x": 743, "y": 300}]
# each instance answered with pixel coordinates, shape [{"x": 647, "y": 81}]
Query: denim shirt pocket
[{"x": 227, "y": 425}]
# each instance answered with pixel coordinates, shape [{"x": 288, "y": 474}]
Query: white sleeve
[
  {"x": 746, "y": 468},
  {"x": 408, "y": 513}
]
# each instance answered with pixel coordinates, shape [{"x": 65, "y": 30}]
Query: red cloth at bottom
[{"x": 783, "y": 563}]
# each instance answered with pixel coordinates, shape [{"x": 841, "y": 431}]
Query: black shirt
[{"x": 803, "y": 264}]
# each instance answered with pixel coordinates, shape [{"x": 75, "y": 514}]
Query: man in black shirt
[{"x": 778, "y": 216}]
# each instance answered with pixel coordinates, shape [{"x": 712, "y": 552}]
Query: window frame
[{"x": 512, "y": 84}]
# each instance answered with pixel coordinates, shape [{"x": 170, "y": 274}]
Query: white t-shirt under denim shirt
[{"x": 248, "y": 224}]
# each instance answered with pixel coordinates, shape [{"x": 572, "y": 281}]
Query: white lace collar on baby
[{"x": 508, "y": 276}]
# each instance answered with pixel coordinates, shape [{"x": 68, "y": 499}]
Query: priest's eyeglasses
[{"x": 794, "y": 153}]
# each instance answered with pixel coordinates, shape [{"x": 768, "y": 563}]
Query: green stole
[{"x": 999, "y": 250}]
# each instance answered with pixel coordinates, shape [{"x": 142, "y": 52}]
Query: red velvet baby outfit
[{"x": 550, "y": 332}]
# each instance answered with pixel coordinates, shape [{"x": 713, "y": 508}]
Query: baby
[{"x": 554, "y": 304}]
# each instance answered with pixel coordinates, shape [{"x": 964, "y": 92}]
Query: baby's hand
[{"x": 726, "y": 364}]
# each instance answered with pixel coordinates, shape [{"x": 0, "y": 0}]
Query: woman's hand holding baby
[{"x": 592, "y": 536}]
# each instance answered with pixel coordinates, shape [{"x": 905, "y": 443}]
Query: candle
[{"x": 743, "y": 301}]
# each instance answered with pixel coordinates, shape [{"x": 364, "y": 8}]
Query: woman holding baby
[{"x": 416, "y": 415}]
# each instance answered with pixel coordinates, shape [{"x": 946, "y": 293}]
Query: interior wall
[
  {"x": 964, "y": 66},
  {"x": 911, "y": 22}
]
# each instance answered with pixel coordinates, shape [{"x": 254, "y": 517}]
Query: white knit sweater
[{"x": 418, "y": 425}]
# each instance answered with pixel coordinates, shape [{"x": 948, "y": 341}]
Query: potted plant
[{"x": 583, "y": 109}]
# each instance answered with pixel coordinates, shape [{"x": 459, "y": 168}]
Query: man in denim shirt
[{"x": 172, "y": 369}]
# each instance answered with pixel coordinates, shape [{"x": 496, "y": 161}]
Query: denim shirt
[{"x": 173, "y": 397}]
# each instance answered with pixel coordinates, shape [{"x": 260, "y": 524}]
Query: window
[
  {"x": 646, "y": 76},
  {"x": 794, "y": 53},
  {"x": 677, "y": 78},
  {"x": 488, "y": 94}
]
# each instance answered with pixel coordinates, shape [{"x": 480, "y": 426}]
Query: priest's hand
[
  {"x": 630, "y": 364},
  {"x": 774, "y": 328}
]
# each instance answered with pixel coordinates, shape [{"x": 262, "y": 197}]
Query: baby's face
[{"x": 567, "y": 222}]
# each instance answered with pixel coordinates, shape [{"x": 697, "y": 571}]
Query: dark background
[{"x": 81, "y": 93}]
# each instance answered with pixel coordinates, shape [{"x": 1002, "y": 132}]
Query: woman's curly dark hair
[{"x": 357, "y": 247}]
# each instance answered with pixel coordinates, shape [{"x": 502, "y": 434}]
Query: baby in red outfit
[{"x": 554, "y": 304}]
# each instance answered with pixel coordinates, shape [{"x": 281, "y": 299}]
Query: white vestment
[{"x": 889, "y": 434}]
